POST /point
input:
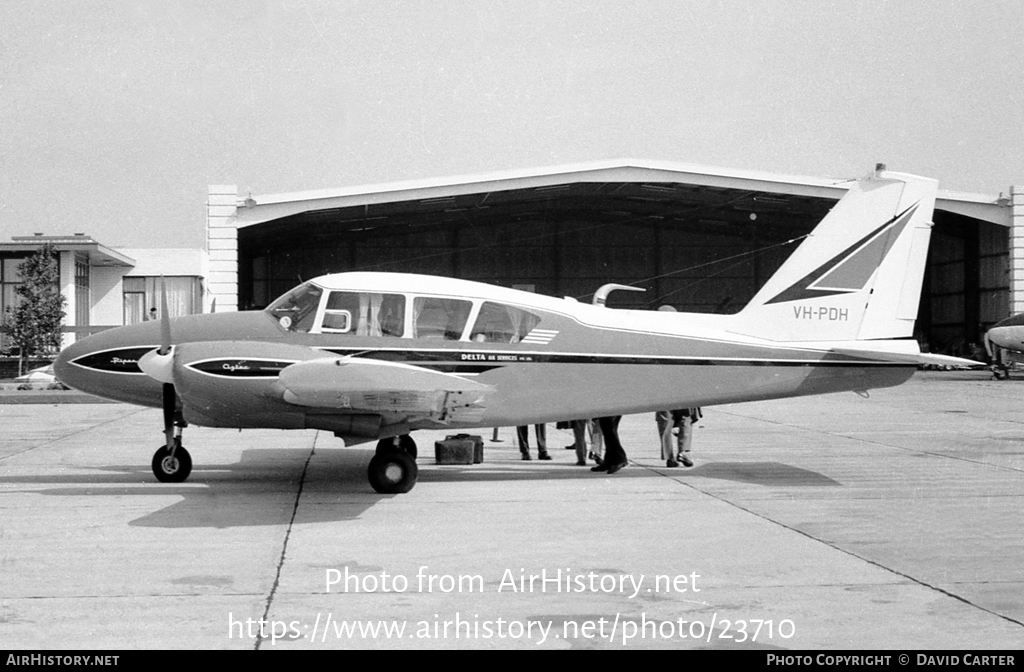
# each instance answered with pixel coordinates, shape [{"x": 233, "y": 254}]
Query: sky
[{"x": 115, "y": 116}]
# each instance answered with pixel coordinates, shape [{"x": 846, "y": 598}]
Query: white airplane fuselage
[{"x": 582, "y": 361}]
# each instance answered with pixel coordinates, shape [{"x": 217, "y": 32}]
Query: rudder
[{"x": 859, "y": 273}]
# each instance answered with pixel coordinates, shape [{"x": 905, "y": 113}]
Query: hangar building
[{"x": 698, "y": 238}]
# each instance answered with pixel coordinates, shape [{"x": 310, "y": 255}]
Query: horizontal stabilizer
[{"x": 921, "y": 358}]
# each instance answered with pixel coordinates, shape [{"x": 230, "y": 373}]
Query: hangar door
[{"x": 699, "y": 266}]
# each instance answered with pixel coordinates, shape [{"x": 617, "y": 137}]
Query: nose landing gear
[
  {"x": 172, "y": 464},
  {"x": 171, "y": 467}
]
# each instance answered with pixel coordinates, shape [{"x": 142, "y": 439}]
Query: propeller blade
[
  {"x": 159, "y": 364},
  {"x": 165, "y": 319},
  {"x": 163, "y": 366}
]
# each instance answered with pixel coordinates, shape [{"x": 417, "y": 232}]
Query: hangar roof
[{"x": 638, "y": 187}]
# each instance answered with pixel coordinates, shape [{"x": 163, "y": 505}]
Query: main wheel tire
[
  {"x": 169, "y": 469},
  {"x": 387, "y": 445},
  {"x": 406, "y": 443},
  {"x": 402, "y": 443},
  {"x": 392, "y": 473}
]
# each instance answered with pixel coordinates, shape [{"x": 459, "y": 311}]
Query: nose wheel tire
[
  {"x": 392, "y": 472},
  {"x": 172, "y": 469}
]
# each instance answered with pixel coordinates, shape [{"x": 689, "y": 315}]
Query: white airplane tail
[{"x": 858, "y": 275}]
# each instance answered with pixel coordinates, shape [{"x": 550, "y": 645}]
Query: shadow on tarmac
[
  {"x": 764, "y": 473},
  {"x": 260, "y": 489}
]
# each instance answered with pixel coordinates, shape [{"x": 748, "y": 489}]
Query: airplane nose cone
[
  {"x": 62, "y": 368},
  {"x": 82, "y": 364}
]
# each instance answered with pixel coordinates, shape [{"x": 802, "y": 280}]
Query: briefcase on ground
[{"x": 459, "y": 449}]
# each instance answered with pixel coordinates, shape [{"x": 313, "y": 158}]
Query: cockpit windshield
[{"x": 296, "y": 310}]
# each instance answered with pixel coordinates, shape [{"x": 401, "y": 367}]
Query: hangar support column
[
  {"x": 1017, "y": 251},
  {"x": 222, "y": 246}
]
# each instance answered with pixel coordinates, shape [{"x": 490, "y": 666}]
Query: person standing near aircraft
[
  {"x": 682, "y": 420},
  {"x": 523, "y": 434},
  {"x": 668, "y": 449},
  {"x": 579, "y": 435},
  {"x": 614, "y": 454},
  {"x": 667, "y": 421},
  {"x": 596, "y": 441}
]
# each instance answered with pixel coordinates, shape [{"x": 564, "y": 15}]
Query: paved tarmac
[{"x": 835, "y": 522}]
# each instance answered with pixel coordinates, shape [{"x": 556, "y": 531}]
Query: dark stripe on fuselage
[
  {"x": 125, "y": 361},
  {"x": 477, "y": 362},
  {"x": 240, "y": 368},
  {"x": 121, "y": 360}
]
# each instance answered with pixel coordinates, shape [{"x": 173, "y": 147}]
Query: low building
[{"x": 105, "y": 286}]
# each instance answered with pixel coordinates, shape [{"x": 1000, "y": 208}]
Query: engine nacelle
[{"x": 235, "y": 384}]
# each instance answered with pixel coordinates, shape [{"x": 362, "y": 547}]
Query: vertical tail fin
[{"x": 858, "y": 275}]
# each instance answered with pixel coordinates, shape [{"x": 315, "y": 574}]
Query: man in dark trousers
[
  {"x": 523, "y": 434},
  {"x": 614, "y": 455}
]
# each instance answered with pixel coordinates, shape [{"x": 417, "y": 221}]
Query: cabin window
[
  {"x": 440, "y": 318},
  {"x": 296, "y": 310},
  {"x": 364, "y": 314},
  {"x": 498, "y": 323},
  {"x": 338, "y": 321}
]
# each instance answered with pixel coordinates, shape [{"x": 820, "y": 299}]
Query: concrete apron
[{"x": 827, "y": 522}]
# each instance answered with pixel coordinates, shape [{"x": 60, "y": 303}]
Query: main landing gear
[{"x": 393, "y": 468}]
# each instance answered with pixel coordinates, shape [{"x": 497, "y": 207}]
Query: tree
[{"x": 36, "y": 323}]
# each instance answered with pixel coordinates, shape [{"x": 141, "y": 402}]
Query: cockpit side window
[
  {"x": 440, "y": 318},
  {"x": 364, "y": 314},
  {"x": 296, "y": 310},
  {"x": 499, "y": 323}
]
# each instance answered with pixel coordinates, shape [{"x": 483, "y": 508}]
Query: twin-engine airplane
[
  {"x": 375, "y": 356},
  {"x": 1004, "y": 343}
]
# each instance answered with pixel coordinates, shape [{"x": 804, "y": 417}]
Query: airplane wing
[
  {"x": 375, "y": 386},
  {"x": 924, "y": 358}
]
